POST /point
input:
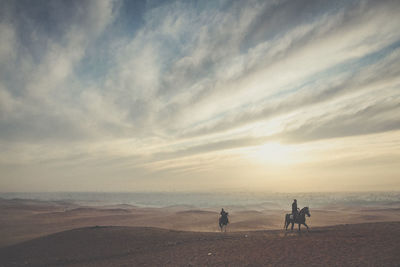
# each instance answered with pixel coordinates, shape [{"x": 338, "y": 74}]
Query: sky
[{"x": 279, "y": 96}]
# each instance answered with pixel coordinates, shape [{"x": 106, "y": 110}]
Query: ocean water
[{"x": 233, "y": 200}]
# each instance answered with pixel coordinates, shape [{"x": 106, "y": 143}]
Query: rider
[
  {"x": 294, "y": 209},
  {"x": 224, "y": 214}
]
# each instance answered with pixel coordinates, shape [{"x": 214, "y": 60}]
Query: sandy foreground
[{"x": 36, "y": 233}]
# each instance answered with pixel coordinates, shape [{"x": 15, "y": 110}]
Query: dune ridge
[
  {"x": 28, "y": 219},
  {"x": 371, "y": 244}
]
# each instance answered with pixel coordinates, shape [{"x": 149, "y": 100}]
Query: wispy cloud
[{"x": 126, "y": 87}]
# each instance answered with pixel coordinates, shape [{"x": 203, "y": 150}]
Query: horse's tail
[{"x": 284, "y": 224}]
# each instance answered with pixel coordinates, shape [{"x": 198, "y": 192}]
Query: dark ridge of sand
[
  {"x": 197, "y": 212},
  {"x": 369, "y": 244},
  {"x": 382, "y": 209},
  {"x": 22, "y": 220},
  {"x": 119, "y": 206},
  {"x": 33, "y": 202},
  {"x": 104, "y": 210}
]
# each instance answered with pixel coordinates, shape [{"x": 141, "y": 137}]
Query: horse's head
[{"x": 307, "y": 211}]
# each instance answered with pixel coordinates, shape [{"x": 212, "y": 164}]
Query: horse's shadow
[{"x": 296, "y": 233}]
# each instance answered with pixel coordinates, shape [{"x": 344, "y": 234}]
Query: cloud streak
[{"x": 133, "y": 86}]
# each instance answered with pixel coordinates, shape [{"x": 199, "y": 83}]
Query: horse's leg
[
  {"x": 292, "y": 225},
  {"x": 285, "y": 226},
  {"x": 287, "y": 223},
  {"x": 306, "y": 225},
  {"x": 299, "y": 227}
]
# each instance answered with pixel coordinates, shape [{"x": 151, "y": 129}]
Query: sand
[
  {"x": 35, "y": 233},
  {"x": 374, "y": 244}
]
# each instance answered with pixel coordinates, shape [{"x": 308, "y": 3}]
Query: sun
[{"x": 271, "y": 152}]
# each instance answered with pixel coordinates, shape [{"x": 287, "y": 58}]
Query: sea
[{"x": 211, "y": 200}]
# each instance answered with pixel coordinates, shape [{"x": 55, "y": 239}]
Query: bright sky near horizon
[{"x": 199, "y": 95}]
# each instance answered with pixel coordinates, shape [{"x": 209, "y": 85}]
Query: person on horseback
[
  {"x": 223, "y": 213},
  {"x": 297, "y": 216},
  {"x": 223, "y": 220},
  {"x": 294, "y": 209}
]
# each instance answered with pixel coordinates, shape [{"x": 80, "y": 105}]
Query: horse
[
  {"x": 223, "y": 222},
  {"x": 300, "y": 219}
]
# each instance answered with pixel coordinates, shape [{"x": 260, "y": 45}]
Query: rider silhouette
[
  {"x": 294, "y": 209},
  {"x": 223, "y": 213}
]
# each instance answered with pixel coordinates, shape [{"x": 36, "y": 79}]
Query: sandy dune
[
  {"x": 23, "y": 220},
  {"x": 373, "y": 244},
  {"x": 38, "y": 233}
]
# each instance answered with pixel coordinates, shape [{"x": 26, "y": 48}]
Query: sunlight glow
[{"x": 273, "y": 153}]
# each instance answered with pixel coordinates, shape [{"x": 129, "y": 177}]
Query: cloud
[
  {"x": 186, "y": 71},
  {"x": 129, "y": 85},
  {"x": 375, "y": 118},
  {"x": 316, "y": 46},
  {"x": 321, "y": 90},
  {"x": 41, "y": 75}
]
